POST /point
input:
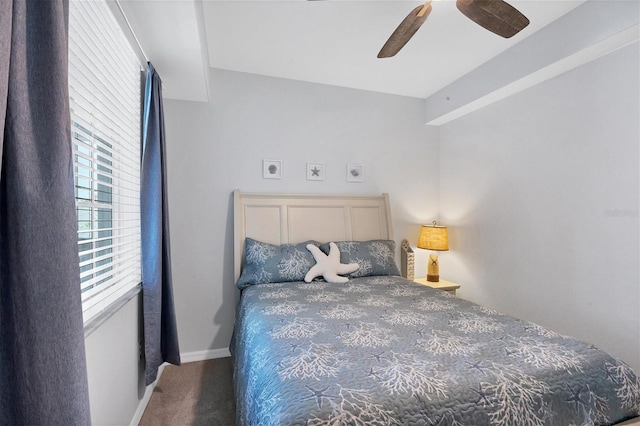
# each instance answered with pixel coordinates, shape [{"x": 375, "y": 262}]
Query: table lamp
[{"x": 433, "y": 237}]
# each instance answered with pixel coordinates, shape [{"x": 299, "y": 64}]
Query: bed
[{"x": 383, "y": 350}]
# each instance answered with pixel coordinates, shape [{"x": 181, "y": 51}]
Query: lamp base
[{"x": 433, "y": 269}]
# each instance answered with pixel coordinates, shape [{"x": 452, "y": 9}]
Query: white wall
[
  {"x": 216, "y": 147},
  {"x": 541, "y": 193},
  {"x": 115, "y": 372}
]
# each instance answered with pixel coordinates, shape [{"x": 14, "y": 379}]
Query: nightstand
[{"x": 440, "y": 285}]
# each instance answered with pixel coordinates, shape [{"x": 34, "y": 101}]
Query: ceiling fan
[{"x": 497, "y": 16}]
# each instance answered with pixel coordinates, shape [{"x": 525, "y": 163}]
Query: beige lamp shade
[{"x": 433, "y": 237}]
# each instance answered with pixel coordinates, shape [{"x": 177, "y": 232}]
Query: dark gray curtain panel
[
  {"x": 160, "y": 329},
  {"x": 43, "y": 379}
]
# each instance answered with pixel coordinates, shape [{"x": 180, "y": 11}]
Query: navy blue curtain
[
  {"x": 160, "y": 330},
  {"x": 43, "y": 379}
]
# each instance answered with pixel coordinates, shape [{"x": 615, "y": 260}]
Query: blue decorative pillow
[
  {"x": 268, "y": 263},
  {"x": 375, "y": 257}
]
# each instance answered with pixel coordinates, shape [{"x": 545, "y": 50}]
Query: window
[{"x": 104, "y": 92}]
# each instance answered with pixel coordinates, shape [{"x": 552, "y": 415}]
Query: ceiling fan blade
[
  {"x": 405, "y": 30},
  {"x": 497, "y": 16}
]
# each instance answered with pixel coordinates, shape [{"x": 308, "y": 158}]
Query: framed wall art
[
  {"x": 315, "y": 171},
  {"x": 355, "y": 173},
  {"x": 272, "y": 169}
]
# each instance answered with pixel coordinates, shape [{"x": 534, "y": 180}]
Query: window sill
[{"x": 94, "y": 323}]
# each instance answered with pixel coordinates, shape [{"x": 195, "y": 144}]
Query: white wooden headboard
[{"x": 295, "y": 218}]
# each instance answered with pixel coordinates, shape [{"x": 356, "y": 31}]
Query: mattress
[{"x": 387, "y": 351}]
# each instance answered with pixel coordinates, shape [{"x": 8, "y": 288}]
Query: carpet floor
[{"x": 196, "y": 393}]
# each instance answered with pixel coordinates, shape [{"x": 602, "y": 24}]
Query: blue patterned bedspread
[{"x": 387, "y": 351}]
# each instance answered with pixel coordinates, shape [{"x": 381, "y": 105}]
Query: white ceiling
[{"x": 328, "y": 42}]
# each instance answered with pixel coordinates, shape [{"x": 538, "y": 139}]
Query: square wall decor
[
  {"x": 355, "y": 173},
  {"x": 272, "y": 169},
  {"x": 315, "y": 171}
]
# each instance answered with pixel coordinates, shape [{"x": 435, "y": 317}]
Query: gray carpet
[{"x": 196, "y": 393}]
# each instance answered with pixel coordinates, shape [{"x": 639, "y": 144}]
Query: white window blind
[{"x": 104, "y": 91}]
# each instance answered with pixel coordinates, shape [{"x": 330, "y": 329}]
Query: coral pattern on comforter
[{"x": 387, "y": 351}]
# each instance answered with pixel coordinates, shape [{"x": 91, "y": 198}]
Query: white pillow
[{"x": 329, "y": 267}]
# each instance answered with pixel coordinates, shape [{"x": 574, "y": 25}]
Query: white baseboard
[
  {"x": 142, "y": 405},
  {"x": 205, "y": 355}
]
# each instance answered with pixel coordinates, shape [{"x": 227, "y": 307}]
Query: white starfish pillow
[{"x": 329, "y": 267}]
